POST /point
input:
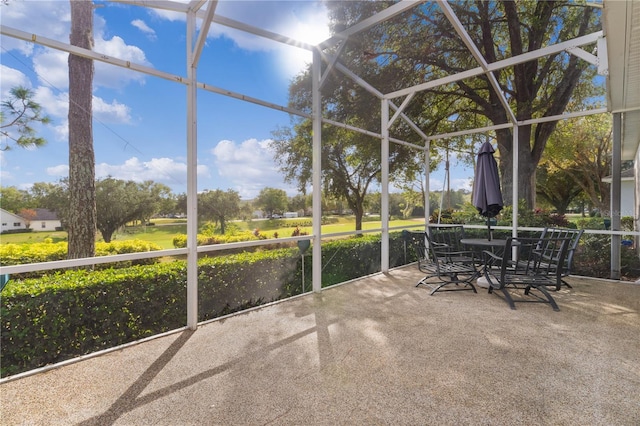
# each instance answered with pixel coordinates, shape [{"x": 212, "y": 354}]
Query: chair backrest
[
  {"x": 419, "y": 243},
  {"x": 536, "y": 256},
  {"x": 426, "y": 250},
  {"x": 448, "y": 236},
  {"x": 574, "y": 236}
]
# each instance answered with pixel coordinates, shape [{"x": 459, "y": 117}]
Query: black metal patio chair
[
  {"x": 447, "y": 239},
  {"x": 437, "y": 260},
  {"x": 574, "y": 235},
  {"x": 530, "y": 264}
]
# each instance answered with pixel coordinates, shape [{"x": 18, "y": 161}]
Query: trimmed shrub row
[
  {"x": 20, "y": 254},
  {"x": 66, "y": 314}
]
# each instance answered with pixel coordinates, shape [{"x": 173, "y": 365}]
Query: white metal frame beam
[
  {"x": 504, "y": 63},
  {"x": 382, "y": 16},
  {"x": 204, "y": 29}
]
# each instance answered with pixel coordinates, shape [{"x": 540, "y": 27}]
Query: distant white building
[
  {"x": 43, "y": 220},
  {"x": 11, "y": 221},
  {"x": 627, "y": 193}
]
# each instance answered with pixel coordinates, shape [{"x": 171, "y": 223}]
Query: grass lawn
[
  {"x": 164, "y": 230},
  {"x": 32, "y": 237}
]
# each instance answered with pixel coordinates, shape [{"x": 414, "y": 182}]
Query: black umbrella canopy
[{"x": 487, "y": 196}]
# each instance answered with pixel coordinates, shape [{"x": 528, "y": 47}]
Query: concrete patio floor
[{"x": 376, "y": 351}]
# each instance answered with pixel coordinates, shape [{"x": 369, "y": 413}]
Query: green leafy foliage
[
  {"x": 19, "y": 254},
  {"x": 533, "y": 217},
  {"x": 66, "y": 314},
  {"x": 593, "y": 258},
  {"x": 19, "y": 112},
  {"x": 180, "y": 241}
]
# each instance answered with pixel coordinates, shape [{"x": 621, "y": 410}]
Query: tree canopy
[
  {"x": 119, "y": 202},
  {"x": 19, "y": 112},
  {"x": 219, "y": 206},
  {"x": 272, "y": 201},
  {"x": 576, "y": 159},
  {"x": 421, "y": 45}
]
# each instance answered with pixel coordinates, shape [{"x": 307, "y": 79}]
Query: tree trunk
[
  {"x": 82, "y": 213},
  {"x": 526, "y": 166}
]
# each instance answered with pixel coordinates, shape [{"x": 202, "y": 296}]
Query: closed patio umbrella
[{"x": 487, "y": 196}]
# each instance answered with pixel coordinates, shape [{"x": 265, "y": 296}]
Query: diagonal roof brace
[
  {"x": 600, "y": 60},
  {"x": 204, "y": 30},
  {"x": 583, "y": 54},
  {"x": 384, "y": 15},
  {"x": 331, "y": 62}
]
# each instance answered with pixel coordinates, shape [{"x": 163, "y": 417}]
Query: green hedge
[
  {"x": 19, "y": 254},
  {"x": 66, "y": 314}
]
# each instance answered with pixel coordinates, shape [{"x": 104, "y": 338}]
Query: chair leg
[
  {"x": 423, "y": 281},
  {"x": 455, "y": 289},
  {"x": 545, "y": 292},
  {"x": 508, "y": 298}
]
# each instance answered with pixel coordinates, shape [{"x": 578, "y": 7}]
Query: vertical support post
[
  {"x": 616, "y": 193},
  {"x": 384, "y": 168},
  {"x": 427, "y": 172},
  {"x": 192, "y": 183},
  {"x": 316, "y": 116},
  {"x": 516, "y": 180}
]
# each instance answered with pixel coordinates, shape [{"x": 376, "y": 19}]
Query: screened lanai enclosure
[{"x": 382, "y": 99}]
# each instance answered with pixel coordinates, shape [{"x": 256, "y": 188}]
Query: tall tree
[
  {"x": 351, "y": 161},
  {"x": 13, "y": 199},
  {"x": 423, "y": 40},
  {"x": 556, "y": 186},
  {"x": 220, "y": 206},
  {"x": 271, "y": 201},
  {"x": 82, "y": 212},
  {"x": 153, "y": 198},
  {"x": 119, "y": 202},
  {"x": 581, "y": 148},
  {"x": 18, "y": 113},
  {"x": 116, "y": 205}
]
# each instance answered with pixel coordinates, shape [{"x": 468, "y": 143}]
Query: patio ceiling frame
[{"x": 196, "y": 10}]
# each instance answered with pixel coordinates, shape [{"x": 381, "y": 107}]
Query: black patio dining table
[
  {"x": 496, "y": 245},
  {"x": 484, "y": 243}
]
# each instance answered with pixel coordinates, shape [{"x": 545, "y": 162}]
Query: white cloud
[
  {"x": 33, "y": 16},
  {"x": 462, "y": 183},
  {"x": 52, "y": 19},
  {"x": 51, "y": 67},
  {"x": 57, "y": 106},
  {"x": 113, "y": 112},
  {"x": 248, "y": 166},
  {"x": 142, "y": 26},
  {"x": 112, "y": 76},
  {"x": 160, "y": 170},
  {"x": 59, "y": 171},
  {"x": 12, "y": 78}
]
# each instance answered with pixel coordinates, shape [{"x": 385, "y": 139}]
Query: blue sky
[{"x": 140, "y": 120}]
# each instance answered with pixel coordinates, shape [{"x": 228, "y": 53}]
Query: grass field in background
[{"x": 163, "y": 230}]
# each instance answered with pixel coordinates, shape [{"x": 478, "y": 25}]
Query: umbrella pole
[{"x": 489, "y": 227}]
